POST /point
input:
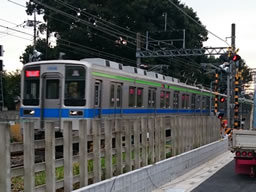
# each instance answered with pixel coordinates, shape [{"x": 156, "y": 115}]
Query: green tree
[
  {"x": 11, "y": 88},
  {"x": 107, "y": 29},
  {"x": 42, "y": 47},
  {"x": 90, "y": 23}
]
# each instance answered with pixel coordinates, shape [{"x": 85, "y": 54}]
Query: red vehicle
[{"x": 244, "y": 147}]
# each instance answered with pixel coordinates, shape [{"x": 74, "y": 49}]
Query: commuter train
[{"x": 96, "y": 88}]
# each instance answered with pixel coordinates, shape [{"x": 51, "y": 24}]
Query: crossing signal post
[
  {"x": 1, "y": 80},
  {"x": 216, "y": 93},
  {"x": 236, "y": 58}
]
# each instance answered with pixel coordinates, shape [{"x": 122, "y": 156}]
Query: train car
[{"x": 58, "y": 90}]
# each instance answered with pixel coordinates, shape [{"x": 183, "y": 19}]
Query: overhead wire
[
  {"x": 95, "y": 50},
  {"x": 192, "y": 19},
  {"x": 75, "y": 18},
  {"x": 99, "y": 28},
  {"x": 12, "y": 29},
  {"x": 3, "y": 32},
  {"x": 92, "y": 52},
  {"x": 94, "y": 16},
  {"x": 80, "y": 29}
]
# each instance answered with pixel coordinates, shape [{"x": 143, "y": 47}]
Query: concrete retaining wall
[{"x": 153, "y": 176}]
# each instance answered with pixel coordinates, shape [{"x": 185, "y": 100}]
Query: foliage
[
  {"x": 42, "y": 47},
  {"x": 107, "y": 29},
  {"x": 11, "y": 88}
]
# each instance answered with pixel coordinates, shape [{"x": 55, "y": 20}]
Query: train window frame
[
  {"x": 119, "y": 95},
  {"x": 198, "y": 102},
  {"x": 31, "y": 87},
  {"x": 97, "y": 94},
  {"x": 203, "y": 102},
  {"x": 176, "y": 99},
  {"x": 208, "y": 102},
  {"x": 132, "y": 96},
  {"x": 152, "y": 97},
  {"x": 112, "y": 95},
  {"x": 162, "y": 99},
  {"x": 193, "y": 101},
  {"x": 75, "y": 80},
  {"x": 167, "y": 99},
  {"x": 139, "y": 97},
  {"x": 185, "y": 101}
]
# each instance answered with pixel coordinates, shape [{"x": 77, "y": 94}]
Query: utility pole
[
  {"x": 34, "y": 29},
  {"x": 165, "y": 21},
  {"x": 230, "y": 74},
  {"x": 138, "y": 49},
  {"x": 1, "y": 81}
]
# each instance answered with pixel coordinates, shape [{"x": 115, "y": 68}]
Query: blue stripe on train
[{"x": 91, "y": 113}]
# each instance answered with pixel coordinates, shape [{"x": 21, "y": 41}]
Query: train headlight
[
  {"x": 75, "y": 113},
  {"x": 29, "y": 112}
]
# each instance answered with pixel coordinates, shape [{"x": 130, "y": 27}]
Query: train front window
[
  {"x": 31, "y": 86},
  {"x": 74, "y": 86}
]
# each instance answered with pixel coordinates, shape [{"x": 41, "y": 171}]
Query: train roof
[{"x": 120, "y": 68}]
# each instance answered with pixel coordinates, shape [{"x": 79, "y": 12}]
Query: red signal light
[
  {"x": 236, "y": 58},
  {"x": 222, "y": 99}
]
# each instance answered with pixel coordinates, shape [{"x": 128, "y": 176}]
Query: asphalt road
[{"x": 226, "y": 180}]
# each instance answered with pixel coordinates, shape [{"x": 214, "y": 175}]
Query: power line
[
  {"x": 96, "y": 53},
  {"x": 99, "y": 28},
  {"x": 17, "y": 3},
  {"x": 14, "y": 35},
  {"x": 15, "y": 30},
  {"x": 197, "y": 22},
  {"x": 91, "y": 15},
  {"x": 8, "y": 22},
  {"x": 83, "y": 21}
]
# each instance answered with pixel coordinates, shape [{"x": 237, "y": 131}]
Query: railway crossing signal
[
  {"x": 216, "y": 83},
  {"x": 222, "y": 99}
]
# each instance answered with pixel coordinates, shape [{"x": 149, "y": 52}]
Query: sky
[{"x": 216, "y": 15}]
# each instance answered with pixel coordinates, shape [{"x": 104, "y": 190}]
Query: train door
[
  {"x": 115, "y": 102},
  {"x": 152, "y": 100},
  {"x": 51, "y": 98},
  {"x": 97, "y": 98}
]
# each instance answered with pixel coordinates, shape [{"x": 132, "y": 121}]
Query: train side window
[
  {"x": 207, "y": 102},
  {"x": 203, "y": 102},
  {"x": 187, "y": 101},
  {"x": 198, "y": 102},
  {"x": 151, "y": 98},
  {"x": 162, "y": 98},
  {"x": 176, "y": 100},
  {"x": 118, "y": 96},
  {"x": 183, "y": 101},
  {"x": 112, "y": 95},
  {"x": 139, "y": 97},
  {"x": 193, "y": 101},
  {"x": 132, "y": 96},
  {"x": 97, "y": 93},
  {"x": 167, "y": 99}
]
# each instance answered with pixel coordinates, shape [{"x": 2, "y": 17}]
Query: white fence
[{"x": 109, "y": 148}]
